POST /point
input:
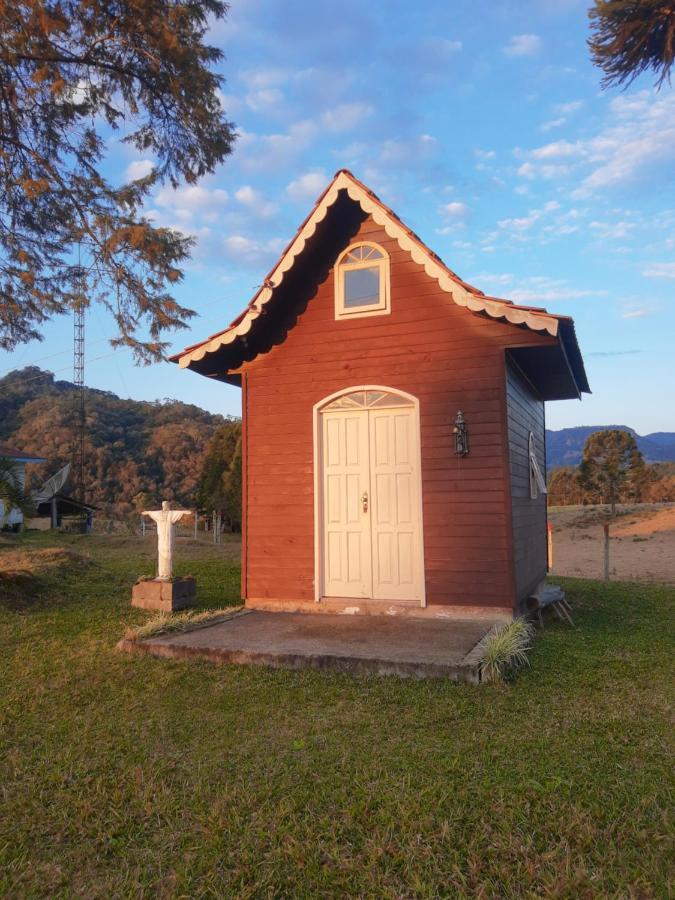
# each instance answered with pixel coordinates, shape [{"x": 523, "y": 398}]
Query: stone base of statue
[{"x": 164, "y": 595}]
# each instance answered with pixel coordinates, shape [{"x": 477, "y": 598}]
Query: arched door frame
[{"x": 318, "y": 479}]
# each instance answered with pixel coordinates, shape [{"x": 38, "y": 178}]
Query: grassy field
[{"x": 135, "y": 777}]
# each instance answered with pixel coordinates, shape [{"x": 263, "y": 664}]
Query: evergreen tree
[
  {"x": 610, "y": 461},
  {"x": 564, "y": 488},
  {"x": 232, "y": 485},
  {"x": 72, "y": 73},
  {"x": 220, "y": 483},
  {"x": 632, "y": 36}
]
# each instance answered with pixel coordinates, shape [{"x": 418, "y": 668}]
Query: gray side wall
[{"x": 525, "y": 413}]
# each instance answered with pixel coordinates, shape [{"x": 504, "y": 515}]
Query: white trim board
[{"x": 460, "y": 293}]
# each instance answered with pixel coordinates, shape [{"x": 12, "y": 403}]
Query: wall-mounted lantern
[{"x": 461, "y": 434}]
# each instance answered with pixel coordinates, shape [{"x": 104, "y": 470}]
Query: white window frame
[
  {"x": 537, "y": 480},
  {"x": 383, "y": 305}
]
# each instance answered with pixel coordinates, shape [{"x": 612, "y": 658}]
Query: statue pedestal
[{"x": 164, "y": 596}]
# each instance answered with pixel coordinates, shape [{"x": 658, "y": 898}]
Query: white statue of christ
[{"x": 165, "y": 519}]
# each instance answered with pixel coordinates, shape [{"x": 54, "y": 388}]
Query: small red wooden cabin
[{"x": 354, "y": 359}]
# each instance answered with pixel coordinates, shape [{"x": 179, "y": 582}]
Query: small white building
[{"x": 13, "y": 518}]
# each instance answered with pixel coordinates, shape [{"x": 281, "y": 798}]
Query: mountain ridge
[
  {"x": 138, "y": 446},
  {"x": 565, "y": 445}
]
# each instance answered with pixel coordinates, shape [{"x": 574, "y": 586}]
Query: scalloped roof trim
[{"x": 462, "y": 293}]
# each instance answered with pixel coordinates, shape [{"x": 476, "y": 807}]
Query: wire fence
[{"x": 212, "y": 528}]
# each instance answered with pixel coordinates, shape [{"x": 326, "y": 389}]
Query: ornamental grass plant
[{"x": 505, "y": 650}]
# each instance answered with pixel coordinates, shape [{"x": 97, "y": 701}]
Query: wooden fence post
[
  {"x": 550, "y": 546},
  {"x": 606, "y": 531},
  {"x": 196, "y": 520},
  {"x": 214, "y": 527}
]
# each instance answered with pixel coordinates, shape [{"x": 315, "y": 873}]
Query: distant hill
[
  {"x": 132, "y": 447},
  {"x": 135, "y": 447},
  {"x": 564, "y": 447}
]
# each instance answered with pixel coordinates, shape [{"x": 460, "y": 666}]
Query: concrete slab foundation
[
  {"x": 419, "y": 648},
  {"x": 164, "y": 596},
  {"x": 408, "y": 608}
]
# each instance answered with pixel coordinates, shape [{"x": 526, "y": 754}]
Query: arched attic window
[
  {"x": 362, "y": 282},
  {"x": 537, "y": 481}
]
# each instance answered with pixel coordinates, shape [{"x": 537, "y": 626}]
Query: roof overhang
[
  {"x": 18, "y": 457},
  {"x": 64, "y": 504},
  {"x": 217, "y": 358}
]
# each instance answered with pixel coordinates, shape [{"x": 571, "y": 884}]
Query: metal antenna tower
[{"x": 78, "y": 380}]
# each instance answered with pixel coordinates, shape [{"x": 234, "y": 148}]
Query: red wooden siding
[
  {"x": 449, "y": 359},
  {"x": 525, "y": 414}
]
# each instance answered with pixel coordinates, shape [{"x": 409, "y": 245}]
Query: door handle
[{"x": 364, "y": 501}]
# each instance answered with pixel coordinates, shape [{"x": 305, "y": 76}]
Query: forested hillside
[{"x": 136, "y": 452}]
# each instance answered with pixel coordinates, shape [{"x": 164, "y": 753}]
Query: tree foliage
[
  {"x": 12, "y": 494},
  {"x": 632, "y": 36},
  {"x": 611, "y": 461},
  {"x": 74, "y": 73},
  {"x": 564, "y": 488},
  {"x": 220, "y": 482},
  {"x": 654, "y": 484},
  {"x": 136, "y": 453}
]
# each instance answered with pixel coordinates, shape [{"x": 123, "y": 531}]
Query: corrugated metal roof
[{"x": 18, "y": 455}]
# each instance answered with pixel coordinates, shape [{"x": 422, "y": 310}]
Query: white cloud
[
  {"x": 500, "y": 279},
  {"x": 265, "y": 77},
  {"x": 552, "y": 123},
  {"x": 639, "y": 312},
  {"x": 345, "y": 116},
  {"x": 523, "y": 223},
  {"x": 549, "y": 220},
  {"x": 562, "y": 113},
  {"x": 455, "y": 210},
  {"x": 566, "y": 109},
  {"x": 255, "y": 202},
  {"x": 640, "y": 140},
  {"x": 445, "y": 48},
  {"x": 249, "y": 252},
  {"x": 274, "y": 151},
  {"x": 555, "y": 150},
  {"x": 190, "y": 208},
  {"x": 307, "y": 186},
  {"x": 549, "y": 171},
  {"x": 660, "y": 270},
  {"x": 139, "y": 168},
  {"x": 264, "y": 98},
  {"x": 637, "y": 141},
  {"x": 540, "y": 289},
  {"x": 612, "y": 230},
  {"x": 523, "y": 45},
  {"x": 191, "y": 197},
  {"x": 519, "y": 224},
  {"x": 484, "y": 154}
]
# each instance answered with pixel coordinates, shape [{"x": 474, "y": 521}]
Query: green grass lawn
[{"x": 127, "y": 776}]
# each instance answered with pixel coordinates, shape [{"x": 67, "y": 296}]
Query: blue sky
[{"x": 484, "y": 126}]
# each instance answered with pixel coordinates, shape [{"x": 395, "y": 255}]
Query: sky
[{"x": 483, "y": 125}]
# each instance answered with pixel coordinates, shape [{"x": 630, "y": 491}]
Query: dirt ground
[{"x": 642, "y": 542}]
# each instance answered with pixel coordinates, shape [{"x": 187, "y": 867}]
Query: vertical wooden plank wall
[
  {"x": 446, "y": 356},
  {"x": 244, "y": 486},
  {"x": 525, "y": 414}
]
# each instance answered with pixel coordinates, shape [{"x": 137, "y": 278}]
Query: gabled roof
[{"x": 460, "y": 292}]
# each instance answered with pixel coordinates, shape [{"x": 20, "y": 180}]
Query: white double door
[{"x": 372, "y": 535}]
